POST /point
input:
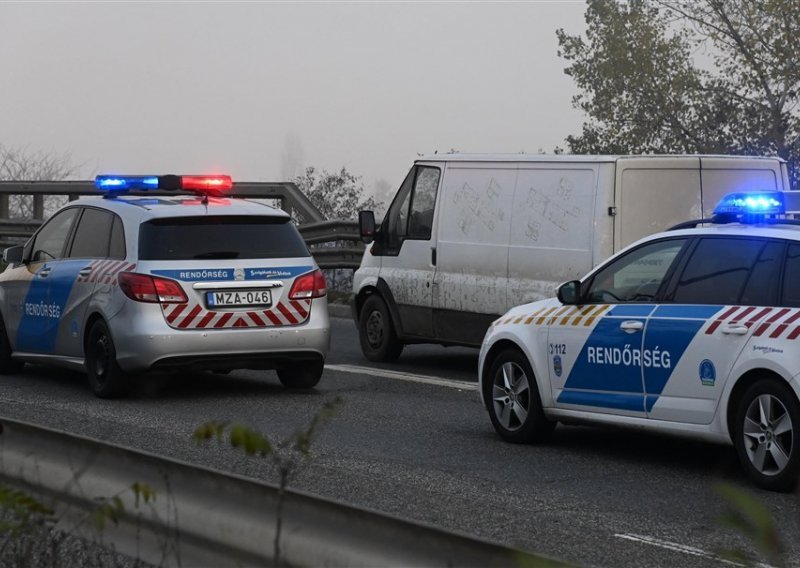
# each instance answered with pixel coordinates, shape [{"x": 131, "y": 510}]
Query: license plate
[{"x": 239, "y": 298}]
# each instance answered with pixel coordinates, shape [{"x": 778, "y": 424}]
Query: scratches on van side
[
  {"x": 479, "y": 208},
  {"x": 555, "y": 209}
]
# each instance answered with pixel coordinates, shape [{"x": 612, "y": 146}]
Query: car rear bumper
[{"x": 144, "y": 341}]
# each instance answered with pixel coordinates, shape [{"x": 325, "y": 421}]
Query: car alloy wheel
[
  {"x": 511, "y": 396},
  {"x": 768, "y": 434}
]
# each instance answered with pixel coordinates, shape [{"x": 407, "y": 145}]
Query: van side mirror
[
  {"x": 569, "y": 293},
  {"x": 13, "y": 255},
  {"x": 366, "y": 226}
]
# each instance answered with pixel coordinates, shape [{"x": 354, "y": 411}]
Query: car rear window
[{"x": 219, "y": 237}]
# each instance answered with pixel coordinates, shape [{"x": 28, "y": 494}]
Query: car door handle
[
  {"x": 85, "y": 271},
  {"x": 735, "y": 330},
  {"x": 44, "y": 272},
  {"x": 631, "y": 326}
]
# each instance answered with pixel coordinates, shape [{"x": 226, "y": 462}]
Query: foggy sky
[{"x": 259, "y": 90}]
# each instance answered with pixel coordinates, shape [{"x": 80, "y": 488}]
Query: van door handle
[
  {"x": 735, "y": 330},
  {"x": 85, "y": 271},
  {"x": 44, "y": 272},
  {"x": 631, "y": 326},
  {"x": 433, "y": 256}
]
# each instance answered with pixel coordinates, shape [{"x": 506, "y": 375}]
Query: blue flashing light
[
  {"x": 747, "y": 205},
  {"x": 125, "y": 183}
]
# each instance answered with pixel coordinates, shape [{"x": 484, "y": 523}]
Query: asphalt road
[{"x": 427, "y": 452}]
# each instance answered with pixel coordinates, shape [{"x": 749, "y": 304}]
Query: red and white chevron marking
[
  {"x": 773, "y": 323},
  {"x": 105, "y": 271},
  {"x": 195, "y": 316}
]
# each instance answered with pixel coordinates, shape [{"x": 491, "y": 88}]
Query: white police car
[
  {"x": 693, "y": 331},
  {"x": 120, "y": 284}
]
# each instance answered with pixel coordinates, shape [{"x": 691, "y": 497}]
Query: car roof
[
  {"x": 140, "y": 209},
  {"x": 769, "y": 230}
]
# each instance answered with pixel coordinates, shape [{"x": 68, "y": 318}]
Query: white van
[{"x": 468, "y": 236}]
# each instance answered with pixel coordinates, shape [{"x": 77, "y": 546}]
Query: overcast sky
[{"x": 259, "y": 89}]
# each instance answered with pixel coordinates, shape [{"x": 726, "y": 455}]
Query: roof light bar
[
  {"x": 203, "y": 184},
  {"x": 747, "y": 205},
  {"x": 125, "y": 183},
  {"x": 207, "y": 183}
]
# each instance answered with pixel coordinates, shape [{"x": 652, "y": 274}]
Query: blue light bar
[
  {"x": 125, "y": 183},
  {"x": 749, "y": 204}
]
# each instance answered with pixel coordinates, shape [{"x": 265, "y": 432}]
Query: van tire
[
  {"x": 758, "y": 443},
  {"x": 376, "y": 331},
  {"x": 510, "y": 390},
  {"x": 8, "y": 365},
  {"x": 106, "y": 379},
  {"x": 301, "y": 375}
]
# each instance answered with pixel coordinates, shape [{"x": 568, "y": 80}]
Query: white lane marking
[
  {"x": 400, "y": 376},
  {"x": 677, "y": 547}
]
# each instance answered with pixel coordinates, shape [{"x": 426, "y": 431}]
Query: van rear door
[
  {"x": 721, "y": 175},
  {"x": 653, "y": 194}
]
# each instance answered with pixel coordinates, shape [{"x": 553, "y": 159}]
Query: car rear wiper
[{"x": 218, "y": 254}]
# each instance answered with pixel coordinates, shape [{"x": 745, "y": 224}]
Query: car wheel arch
[
  {"x": 381, "y": 288},
  {"x": 497, "y": 348},
  {"x": 740, "y": 387},
  {"x": 90, "y": 321}
]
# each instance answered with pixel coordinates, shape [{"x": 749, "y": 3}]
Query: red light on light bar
[{"x": 207, "y": 184}]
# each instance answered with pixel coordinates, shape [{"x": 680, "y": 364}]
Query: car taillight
[
  {"x": 146, "y": 288},
  {"x": 311, "y": 285}
]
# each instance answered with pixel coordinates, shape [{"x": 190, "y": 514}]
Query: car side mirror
[
  {"x": 569, "y": 293},
  {"x": 13, "y": 255},
  {"x": 366, "y": 226}
]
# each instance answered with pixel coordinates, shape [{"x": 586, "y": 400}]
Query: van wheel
[
  {"x": 513, "y": 401},
  {"x": 376, "y": 333},
  {"x": 106, "y": 379},
  {"x": 301, "y": 375},
  {"x": 766, "y": 435},
  {"x": 7, "y": 364}
]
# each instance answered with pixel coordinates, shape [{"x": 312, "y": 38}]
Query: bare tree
[{"x": 22, "y": 164}]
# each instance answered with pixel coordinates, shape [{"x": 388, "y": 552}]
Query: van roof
[{"x": 457, "y": 157}]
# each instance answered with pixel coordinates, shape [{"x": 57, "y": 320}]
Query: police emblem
[
  {"x": 557, "y": 365},
  {"x": 708, "y": 374},
  {"x": 238, "y": 274}
]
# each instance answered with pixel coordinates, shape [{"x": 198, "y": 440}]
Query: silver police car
[{"x": 121, "y": 284}]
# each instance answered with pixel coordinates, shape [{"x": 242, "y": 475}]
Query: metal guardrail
[
  {"x": 333, "y": 234},
  {"x": 204, "y": 517},
  {"x": 315, "y": 230}
]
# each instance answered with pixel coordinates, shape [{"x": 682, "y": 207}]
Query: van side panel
[
  {"x": 472, "y": 250},
  {"x": 552, "y": 228},
  {"x": 655, "y": 194},
  {"x": 721, "y": 176}
]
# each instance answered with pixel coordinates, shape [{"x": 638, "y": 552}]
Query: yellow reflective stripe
[
  {"x": 558, "y": 314},
  {"x": 543, "y": 317},
  {"x": 599, "y": 312},
  {"x": 585, "y": 311},
  {"x": 533, "y": 315},
  {"x": 571, "y": 314}
]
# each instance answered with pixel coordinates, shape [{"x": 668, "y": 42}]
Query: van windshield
[{"x": 220, "y": 237}]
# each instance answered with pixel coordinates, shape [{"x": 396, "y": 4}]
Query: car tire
[
  {"x": 765, "y": 434},
  {"x": 376, "y": 331},
  {"x": 106, "y": 379},
  {"x": 301, "y": 376},
  {"x": 7, "y": 364},
  {"x": 513, "y": 401}
]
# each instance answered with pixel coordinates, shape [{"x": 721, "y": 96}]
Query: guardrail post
[{"x": 38, "y": 207}]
